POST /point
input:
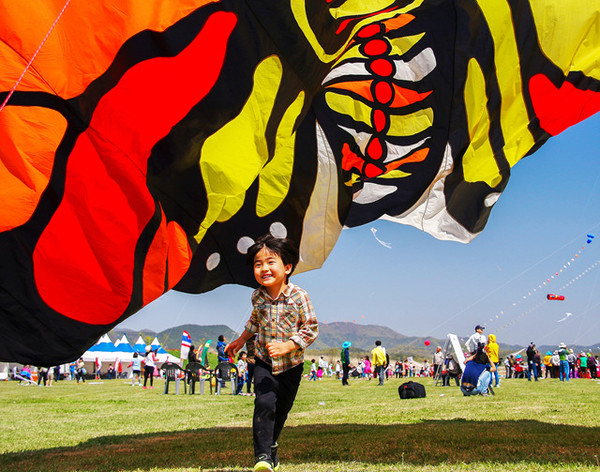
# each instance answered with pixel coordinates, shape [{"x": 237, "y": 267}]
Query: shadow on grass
[{"x": 425, "y": 443}]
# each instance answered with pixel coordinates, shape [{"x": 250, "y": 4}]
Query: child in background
[
  {"x": 136, "y": 371},
  {"x": 313, "y": 371},
  {"x": 284, "y": 322},
  {"x": 221, "y": 354},
  {"x": 241, "y": 366}
]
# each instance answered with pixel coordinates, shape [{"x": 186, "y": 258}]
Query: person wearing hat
[
  {"x": 345, "y": 358},
  {"x": 476, "y": 340},
  {"x": 563, "y": 352}
]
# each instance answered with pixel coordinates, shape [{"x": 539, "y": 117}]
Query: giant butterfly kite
[{"x": 149, "y": 143}]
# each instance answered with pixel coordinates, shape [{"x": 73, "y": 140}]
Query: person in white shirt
[
  {"x": 438, "y": 362},
  {"x": 323, "y": 366},
  {"x": 476, "y": 339}
]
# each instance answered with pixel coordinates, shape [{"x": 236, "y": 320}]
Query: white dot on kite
[
  {"x": 213, "y": 261},
  {"x": 244, "y": 244},
  {"x": 278, "y": 230},
  {"x": 491, "y": 199}
]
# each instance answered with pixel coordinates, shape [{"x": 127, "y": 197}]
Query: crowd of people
[{"x": 562, "y": 363}]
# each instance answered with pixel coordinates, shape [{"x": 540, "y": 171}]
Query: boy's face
[{"x": 269, "y": 269}]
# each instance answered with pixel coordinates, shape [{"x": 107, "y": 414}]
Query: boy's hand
[
  {"x": 277, "y": 349},
  {"x": 233, "y": 347}
]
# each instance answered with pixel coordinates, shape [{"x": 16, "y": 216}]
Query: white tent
[
  {"x": 124, "y": 355},
  {"x": 140, "y": 346},
  {"x": 123, "y": 350},
  {"x": 163, "y": 356},
  {"x": 104, "y": 350}
]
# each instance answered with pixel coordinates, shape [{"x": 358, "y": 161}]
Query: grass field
[{"x": 112, "y": 426}]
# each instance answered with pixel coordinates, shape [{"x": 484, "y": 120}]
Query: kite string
[
  {"x": 500, "y": 287},
  {"x": 583, "y": 326},
  {"x": 536, "y": 307},
  {"x": 33, "y": 57}
]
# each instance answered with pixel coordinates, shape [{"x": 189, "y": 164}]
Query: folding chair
[
  {"x": 193, "y": 372},
  {"x": 225, "y": 371},
  {"x": 172, "y": 371}
]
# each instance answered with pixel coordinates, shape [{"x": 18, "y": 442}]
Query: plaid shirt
[{"x": 290, "y": 316}]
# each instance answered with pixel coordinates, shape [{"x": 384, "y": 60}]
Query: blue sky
[{"x": 426, "y": 287}]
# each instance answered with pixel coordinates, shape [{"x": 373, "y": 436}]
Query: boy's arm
[{"x": 309, "y": 326}]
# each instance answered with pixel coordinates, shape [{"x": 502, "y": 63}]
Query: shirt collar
[{"x": 285, "y": 293}]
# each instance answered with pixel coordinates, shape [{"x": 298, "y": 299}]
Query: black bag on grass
[{"x": 411, "y": 390}]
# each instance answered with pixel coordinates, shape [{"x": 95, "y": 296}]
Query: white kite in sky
[
  {"x": 383, "y": 243},
  {"x": 563, "y": 319}
]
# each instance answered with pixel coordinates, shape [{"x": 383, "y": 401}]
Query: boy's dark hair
[
  {"x": 378, "y": 343},
  {"x": 221, "y": 338},
  {"x": 242, "y": 353},
  {"x": 283, "y": 247}
]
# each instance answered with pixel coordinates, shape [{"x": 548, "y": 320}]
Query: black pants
[
  {"x": 275, "y": 396},
  {"x": 148, "y": 374},
  {"x": 346, "y": 371}
]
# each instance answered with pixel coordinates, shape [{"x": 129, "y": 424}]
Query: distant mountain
[
  {"x": 171, "y": 338},
  {"x": 361, "y": 336}
]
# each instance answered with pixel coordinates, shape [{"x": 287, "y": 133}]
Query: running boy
[{"x": 284, "y": 322}]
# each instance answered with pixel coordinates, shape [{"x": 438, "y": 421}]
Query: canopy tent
[
  {"x": 123, "y": 345},
  {"x": 139, "y": 346},
  {"x": 104, "y": 350},
  {"x": 123, "y": 350},
  {"x": 163, "y": 356},
  {"x": 157, "y": 347}
]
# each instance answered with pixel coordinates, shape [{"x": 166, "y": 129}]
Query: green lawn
[{"x": 112, "y": 426}]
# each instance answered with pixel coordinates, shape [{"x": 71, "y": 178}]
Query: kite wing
[{"x": 150, "y": 154}]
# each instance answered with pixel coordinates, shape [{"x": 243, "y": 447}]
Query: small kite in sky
[
  {"x": 551, "y": 296},
  {"x": 383, "y": 243},
  {"x": 563, "y": 319}
]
